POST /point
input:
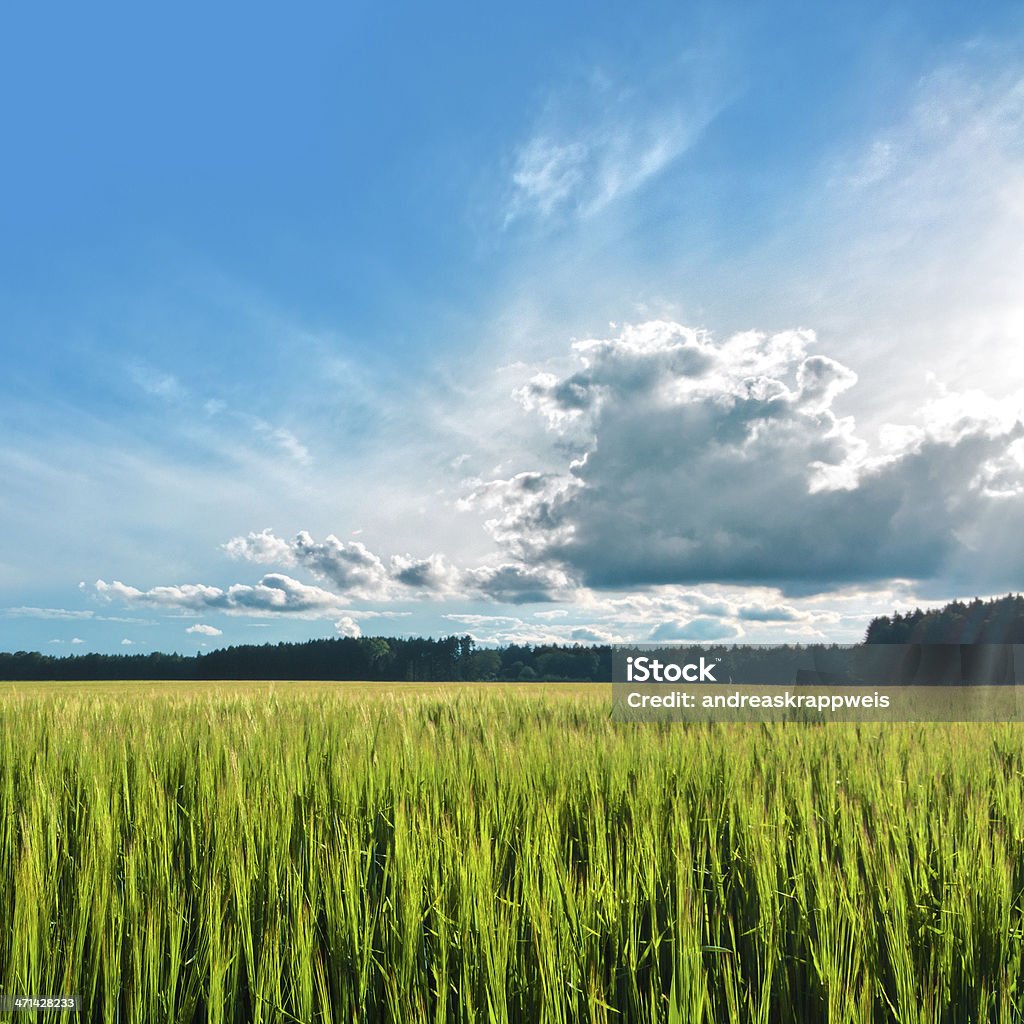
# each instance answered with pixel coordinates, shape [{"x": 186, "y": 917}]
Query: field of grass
[{"x": 350, "y": 852}]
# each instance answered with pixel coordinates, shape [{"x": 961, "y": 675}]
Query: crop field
[{"x": 356, "y": 852}]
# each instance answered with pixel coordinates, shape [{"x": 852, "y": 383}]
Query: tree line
[
  {"x": 453, "y": 658},
  {"x": 413, "y": 659},
  {"x": 999, "y": 621}
]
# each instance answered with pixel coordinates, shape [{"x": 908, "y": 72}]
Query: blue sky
[{"x": 536, "y": 322}]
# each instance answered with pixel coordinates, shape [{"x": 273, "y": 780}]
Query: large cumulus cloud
[{"x": 698, "y": 461}]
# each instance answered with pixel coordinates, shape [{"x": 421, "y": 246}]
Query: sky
[{"x": 538, "y": 322}]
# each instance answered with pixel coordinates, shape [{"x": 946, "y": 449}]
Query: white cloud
[
  {"x": 546, "y": 174},
  {"x": 264, "y": 548},
  {"x": 190, "y": 595},
  {"x": 771, "y": 613},
  {"x": 432, "y": 575},
  {"x": 351, "y": 567},
  {"x": 476, "y": 620},
  {"x": 205, "y": 630},
  {"x": 347, "y": 626},
  {"x": 157, "y": 383},
  {"x": 583, "y": 173},
  {"x": 274, "y": 593},
  {"x": 27, "y": 612},
  {"x": 285, "y": 441},
  {"x": 695, "y": 631},
  {"x": 595, "y": 635},
  {"x": 599, "y": 140},
  {"x": 526, "y": 505},
  {"x": 917, "y": 246},
  {"x": 874, "y": 166}
]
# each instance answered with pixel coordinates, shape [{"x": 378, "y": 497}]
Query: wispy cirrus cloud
[
  {"x": 28, "y": 612},
  {"x": 914, "y": 239},
  {"x": 601, "y": 138}
]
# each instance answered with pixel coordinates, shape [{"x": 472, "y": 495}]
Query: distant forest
[
  {"x": 458, "y": 658},
  {"x": 1000, "y": 621},
  {"x": 374, "y": 658}
]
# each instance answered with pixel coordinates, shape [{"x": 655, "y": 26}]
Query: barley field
[{"x": 353, "y": 853}]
